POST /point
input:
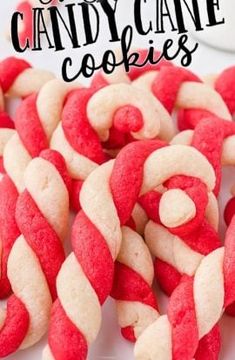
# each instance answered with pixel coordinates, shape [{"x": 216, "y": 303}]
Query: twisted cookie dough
[
  {"x": 201, "y": 300},
  {"x": 133, "y": 277},
  {"x": 42, "y": 212},
  {"x": 35, "y": 121},
  {"x": 107, "y": 200}
]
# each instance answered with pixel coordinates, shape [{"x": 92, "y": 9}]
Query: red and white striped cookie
[
  {"x": 209, "y": 136},
  {"x": 201, "y": 299},
  {"x": 130, "y": 110},
  {"x": 200, "y": 242},
  {"x": 19, "y": 79},
  {"x": 89, "y": 118},
  {"x": 36, "y": 119},
  {"x": 42, "y": 212},
  {"x": 179, "y": 88},
  {"x": 227, "y": 159},
  {"x": 133, "y": 277},
  {"x": 107, "y": 199},
  {"x": 177, "y": 254},
  {"x": 224, "y": 84},
  {"x": 196, "y": 224}
]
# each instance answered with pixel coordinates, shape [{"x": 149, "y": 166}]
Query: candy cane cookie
[
  {"x": 130, "y": 110},
  {"x": 166, "y": 208},
  {"x": 179, "y": 88},
  {"x": 136, "y": 304},
  {"x": 224, "y": 84},
  {"x": 42, "y": 212},
  {"x": 117, "y": 136},
  {"x": 107, "y": 199},
  {"x": 173, "y": 255},
  {"x": 204, "y": 101},
  {"x": 180, "y": 255},
  {"x": 35, "y": 121},
  {"x": 89, "y": 115},
  {"x": 227, "y": 158},
  {"x": 133, "y": 277},
  {"x": 177, "y": 258},
  {"x": 202, "y": 299},
  {"x": 196, "y": 235},
  {"x": 19, "y": 79}
]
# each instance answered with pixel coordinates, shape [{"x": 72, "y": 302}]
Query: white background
[{"x": 206, "y": 60}]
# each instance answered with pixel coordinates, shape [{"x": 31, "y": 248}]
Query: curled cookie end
[
  {"x": 176, "y": 208},
  {"x": 105, "y": 103},
  {"x": 174, "y": 160},
  {"x": 128, "y": 118}
]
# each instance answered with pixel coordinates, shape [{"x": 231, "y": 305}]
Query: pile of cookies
[{"x": 138, "y": 158}]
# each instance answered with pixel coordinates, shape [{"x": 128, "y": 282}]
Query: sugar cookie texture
[
  {"x": 133, "y": 277},
  {"x": 168, "y": 190},
  {"x": 170, "y": 219},
  {"x": 35, "y": 121},
  {"x": 92, "y": 117},
  {"x": 36, "y": 256},
  {"x": 202, "y": 299},
  {"x": 17, "y": 79},
  {"x": 96, "y": 236}
]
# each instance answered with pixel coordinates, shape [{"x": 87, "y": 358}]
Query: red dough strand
[
  {"x": 30, "y": 132},
  {"x": 209, "y": 346},
  {"x": 10, "y": 69},
  {"x": 168, "y": 83},
  {"x": 44, "y": 242},
  {"x": 126, "y": 185},
  {"x": 77, "y": 128},
  {"x": 15, "y": 326},
  {"x": 99, "y": 267},
  {"x": 183, "y": 321},
  {"x": 65, "y": 340},
  {"x": 130, "y": 286},
  {"x": 8, "y": 229},
  {"x": 41, "y": 238}
]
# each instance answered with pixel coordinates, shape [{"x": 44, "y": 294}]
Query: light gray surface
[{"x": 206, "y": 60}]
